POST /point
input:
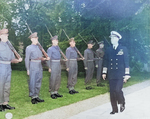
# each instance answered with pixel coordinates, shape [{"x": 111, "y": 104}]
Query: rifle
[
  {"x": 75, "y": 46},
  {"x": 38, "y": 44},
  {"x": 13, "y": 49},
  {"x": 95, "y": 38},
  {"x": 107, "y": 41},
  {"x": 58, "y": 46},
  {"x": 87, "y": 44}
]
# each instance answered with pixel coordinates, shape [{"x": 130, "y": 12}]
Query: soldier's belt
[
  {"x": 89, "y": 60},
  {"x": 55, "y": 60},
  {"x": 35, "y": 60},
  {"x": 73, "y": 59},
  {"x": 5, "y": 62}
]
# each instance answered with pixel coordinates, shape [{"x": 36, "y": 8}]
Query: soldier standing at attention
[
  {"x": 6, "y": 58},
  {"x": 33, "y": 57},
  {"x": 116, "y": 68},
  {"x": 89, "y": 64},
  {"x": 72, "y": 66},
  {"x": 54, "y": 67},
  {"x": 99, "y": 62}
]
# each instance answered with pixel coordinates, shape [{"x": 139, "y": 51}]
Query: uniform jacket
[{"x": 116, "y": 61}]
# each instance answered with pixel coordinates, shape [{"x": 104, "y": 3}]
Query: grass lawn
[{"x": 19, "y": 96}]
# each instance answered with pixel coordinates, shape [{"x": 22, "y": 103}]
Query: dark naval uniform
[
  {"x": 89, "y": 63},
  {"x": 54, "y": 64},
  {"x": 33, "y": 64},
  {"x": 116, "y": 62},
  {"x": 100, "y": 54},
  {"x": 6, "y": 55},
  {"x": 71, "y": 55}
]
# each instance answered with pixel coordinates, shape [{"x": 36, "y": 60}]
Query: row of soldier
[{"x": 34, "y": 56}]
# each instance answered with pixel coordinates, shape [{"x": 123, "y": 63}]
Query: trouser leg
[
  {"x": 38, "y": 82},
  {"x": 7, "y": 87}
]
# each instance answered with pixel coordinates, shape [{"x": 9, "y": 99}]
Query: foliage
[{"x": 98, "y": 17}]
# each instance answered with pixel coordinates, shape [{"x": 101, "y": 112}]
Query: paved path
[{"x": 137, "y": 106}]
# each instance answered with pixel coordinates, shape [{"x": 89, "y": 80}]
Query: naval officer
[{"x": 116, "y": 70}]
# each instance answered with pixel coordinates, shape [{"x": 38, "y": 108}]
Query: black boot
[
  {"x": 39, "y": 100},
  {"x": 33, "y": 101},
  {"x": 75, "y": 91},
  {"x": 122, "y": 107},
  {"x": 53, "y": 96},
  {"x": 58, "y": 95},
  {"x": 1, "y": 108},
  {"x": 8, "y": 107},
  {"x": 71, "y": 92}
]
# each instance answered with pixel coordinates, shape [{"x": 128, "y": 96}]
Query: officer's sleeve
[
  {"x": 49, "y": 52},
  {"x": 105, "y": 62},
  {"x": 126, "y": 61},
  {"x": 68, "y": 57},
  {"x": 85, "y": 60},
  {"x": 27, "y": 58}
]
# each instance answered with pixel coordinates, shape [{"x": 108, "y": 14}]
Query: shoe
[
  {"x": 39, "y": 100},
  {"x": 113, "y": 112},
  {"x": 88, "y": 88},
  {"x": 53, "y": 96},
  {"x": 8, "y": 107},
  {"x": 75, "y": 91},
  {"x": 71, "y": 92},
  {"x": 1, "y": 108},
  {"x": 58, "y": 95},
  {"x": 34, "y": 101},
  {"x": 122, "y": 107},
  {"x": 100, "y": 85}
]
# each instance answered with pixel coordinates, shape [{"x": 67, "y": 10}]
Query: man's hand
[
  {"x": 67, "y": 69},
  {"x": 49, "y": 70},
  {"x": 96, "y": 66},
  {"x": 16, "y": 60},
  {"x": 28, "y": 72},
  {"x": 48, "y": 58},
  {"x": 126, "y": 77},
  {"x": 104, "y": 76}
]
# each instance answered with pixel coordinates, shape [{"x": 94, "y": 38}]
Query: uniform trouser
[
  {"x": 99, "y": 71},
  {"x": 72, "y": 74},
  {"x": 5, "y": 79},
  {"x": 116, "y": 94},
  {"x": 89, "y": 72},
  {"x": 36, "y": 75},
  {"x": 55, "y": 78}
]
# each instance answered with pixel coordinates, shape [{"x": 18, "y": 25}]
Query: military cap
[
  {"x": 101, "y": 42},
  {"x": 115, "y": 34},
  {"x": 3, "y": 31},
  {"x": 91, "y": 42},
  {"x": 33, "y": 35},
  {"x": 54, "y": 38},
  {"x": 71, "y": 39}
]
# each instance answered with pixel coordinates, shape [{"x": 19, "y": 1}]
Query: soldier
[
  {"x": 72, "y": 67},
  {"x": 89, "y": 64},
  {"x": 99, "y": 62},
  {"x": 6, "y": 58},
  {"x": 54, "y": 67},
  {"x": 116, "y": 68},
  {"x": 34, "y": 68}
]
